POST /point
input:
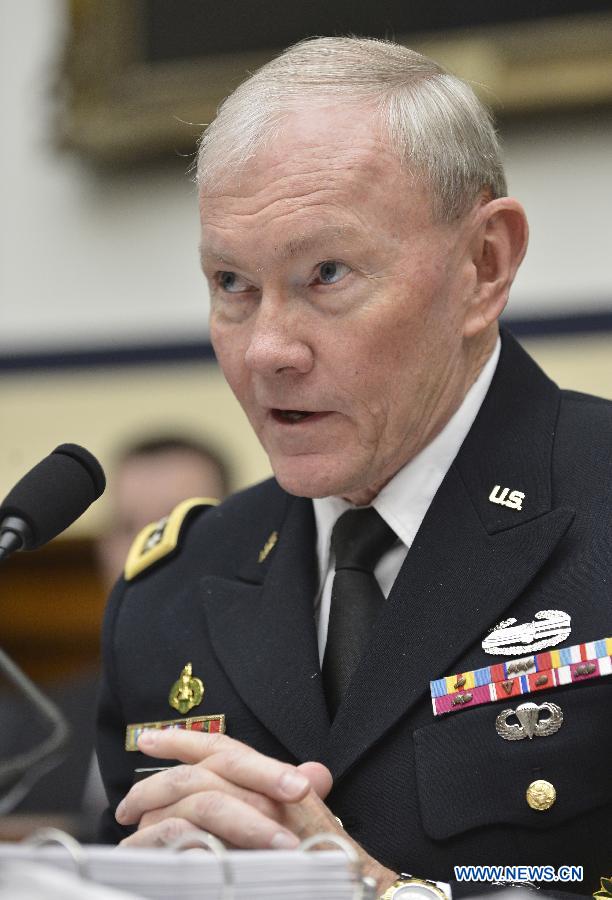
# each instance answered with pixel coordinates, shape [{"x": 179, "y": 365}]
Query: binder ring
[
  {"x": 365, "y": 887},
  {"x": 43, "y": 836},
  {"x": 217, "y": 848}
]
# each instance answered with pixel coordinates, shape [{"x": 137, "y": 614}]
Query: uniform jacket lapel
[
  {"x": 470, "y": 559},
  {"x": 262, "y": 628}
]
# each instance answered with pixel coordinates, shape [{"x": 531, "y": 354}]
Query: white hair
[{"x": 434, "y": 121}]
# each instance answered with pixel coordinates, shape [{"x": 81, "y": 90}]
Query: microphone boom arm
[{"x": 36, "y": 762}]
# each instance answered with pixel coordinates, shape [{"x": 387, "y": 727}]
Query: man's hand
[
  {"x": 225, "y": 788},
  {"x": 230, "y": 790}
]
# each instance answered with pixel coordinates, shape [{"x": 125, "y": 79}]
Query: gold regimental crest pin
[
  {"x": 606, "y": 889},
  {"x": 187, "y": 692}
]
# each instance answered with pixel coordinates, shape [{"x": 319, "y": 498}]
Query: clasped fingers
[
  {"x": 150, "y": 800},
  {"x": 232, "y": 820}
]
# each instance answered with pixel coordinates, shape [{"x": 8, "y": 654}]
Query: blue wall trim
[
  {"x": 567, "y": 325},
  {"x": 202, "y": 351},
  {"x": 99, "y": 357}
]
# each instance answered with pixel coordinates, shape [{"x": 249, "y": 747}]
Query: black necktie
[{"x": 359, "y": 539}]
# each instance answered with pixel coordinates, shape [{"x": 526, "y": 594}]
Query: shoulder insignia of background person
[{"x": 159, "y": 539}]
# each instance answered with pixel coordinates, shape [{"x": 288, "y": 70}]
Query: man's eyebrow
[
  {"x": 296, "y": 245},
  {"x": 211, "y": 254},
  {"x": 292, "y": 247}
]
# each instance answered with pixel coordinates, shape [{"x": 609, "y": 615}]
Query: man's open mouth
[
  {"x": 290, "y": 415},
  {"x": 295, "y": 416}
]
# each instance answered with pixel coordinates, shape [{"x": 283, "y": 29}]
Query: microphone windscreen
[{"x": 53, "y": 494}]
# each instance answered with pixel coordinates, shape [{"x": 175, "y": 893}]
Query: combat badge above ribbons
[{"x": 548, "y": 628}]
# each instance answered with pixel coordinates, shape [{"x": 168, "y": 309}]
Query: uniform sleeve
[{"x": 115, "y": 765}]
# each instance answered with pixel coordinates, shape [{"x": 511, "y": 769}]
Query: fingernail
[
  {"x": 147, "y": 739},
  {"x": 121, "y": 811},
  {"x": 284, "y": 840},
  {"x": 292, "y": 783}
]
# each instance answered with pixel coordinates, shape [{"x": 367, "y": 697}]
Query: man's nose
[{"x": 278, "y": 341}]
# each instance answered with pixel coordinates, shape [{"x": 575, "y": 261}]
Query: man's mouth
[
  {"x": 290, "y": 415},
  {"x": 296, "y": 416}
]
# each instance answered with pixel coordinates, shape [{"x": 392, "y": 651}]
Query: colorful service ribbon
[
  {"x": 502, "y": 681},
  {"x": 208, "y": 724}
]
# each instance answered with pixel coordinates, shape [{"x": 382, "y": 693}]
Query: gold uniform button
[{"x": 541, "y": 794}]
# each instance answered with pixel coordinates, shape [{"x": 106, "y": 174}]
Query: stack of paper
[
  {"x": 35, "y": 881},
  {"x": 162, "y": 874}
]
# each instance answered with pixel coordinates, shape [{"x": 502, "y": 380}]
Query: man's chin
[
  {"x": 316, "y": 476},
  {"x": 309, "y": 480}
]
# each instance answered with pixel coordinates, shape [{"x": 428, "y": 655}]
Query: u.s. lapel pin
[
  {"x": 268, "y": 546},
  {"x": 186, "y": 692},
  {"x": 506, "y": 497}
]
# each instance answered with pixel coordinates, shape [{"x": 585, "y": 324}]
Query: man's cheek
[{"x": 235, "y": 372}]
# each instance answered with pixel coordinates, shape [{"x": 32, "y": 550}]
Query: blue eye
[
  {"x": 232, "y": 283},
  {"x": 331, "y": 271}
]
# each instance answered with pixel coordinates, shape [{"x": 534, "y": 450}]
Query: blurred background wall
[{"x": 103, "y": 311}]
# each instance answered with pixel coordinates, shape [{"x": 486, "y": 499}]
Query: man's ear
[{"x": 498, "y": 248}]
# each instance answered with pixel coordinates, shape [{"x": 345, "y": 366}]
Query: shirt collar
[{"x": 403, "y": 502}]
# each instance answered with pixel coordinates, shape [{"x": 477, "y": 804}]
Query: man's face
[{"x": 337, "y": 304}]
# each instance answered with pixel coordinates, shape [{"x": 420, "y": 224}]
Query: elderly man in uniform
[{"x": 346, "y": 623}]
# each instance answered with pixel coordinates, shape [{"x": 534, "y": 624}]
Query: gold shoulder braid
[
  {"x": 606, "y": 888},
  {"x": 160, "y": 538}
]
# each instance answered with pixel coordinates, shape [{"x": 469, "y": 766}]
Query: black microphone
[{"x": 49, "y": 498}]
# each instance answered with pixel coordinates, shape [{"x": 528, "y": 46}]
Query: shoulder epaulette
[{"x": 160, "y": 538}]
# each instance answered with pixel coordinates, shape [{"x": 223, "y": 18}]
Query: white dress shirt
[{"x": 403, "y": 502}]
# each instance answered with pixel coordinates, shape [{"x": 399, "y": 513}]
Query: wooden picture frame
[{"x": 119, "y": 106}]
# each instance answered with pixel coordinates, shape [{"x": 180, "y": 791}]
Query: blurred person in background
[{"x": 150, "y": 477}]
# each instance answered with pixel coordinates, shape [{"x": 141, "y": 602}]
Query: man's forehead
[
  {"x": 328, "y": 176},
  {"x": 307, "y": 140},
  {"x": 217, "y": 249}
]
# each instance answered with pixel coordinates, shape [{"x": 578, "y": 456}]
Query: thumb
[{"x": 319, "y": 776}]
